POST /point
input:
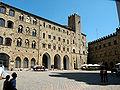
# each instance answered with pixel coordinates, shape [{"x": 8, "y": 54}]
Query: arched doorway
[
  {"x": 17, "y": 62},
  {"x": 57, "y": 62},
  {"x": 4, "y": 60},
  {"x": 66, "y": 62},
  {"x": 32, "y": 62},
  {"x": 25, "y": 63},
  {"x": 46, "y": 60}
]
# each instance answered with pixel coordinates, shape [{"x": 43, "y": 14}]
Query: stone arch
[
  {"x": 66, "y": 62},
  {"x": 4, "y": 60},
  {"x": 25, "y": 62},
  {"x": 33, "y": 62},
  {"x": 57, "y": 62},
  {"x": 18, "y": 62},
  {"x": 46, "y": 60}
]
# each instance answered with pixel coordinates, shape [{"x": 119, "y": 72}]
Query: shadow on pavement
[{"x": 89, "y": 78}]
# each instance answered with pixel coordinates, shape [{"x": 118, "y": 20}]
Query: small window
[
  {"x": 8, "y": 41},
  {"x": 63, "y": 48},
  {"x": 54, "y": 37},
  {"x": 104, "y": 45},
  {"x": 59, "y": 47},
  {"x": 33, "y": 44},
  {"x": 68, "y": 49},
  {"x": 59, "y": 39},
  {"x": 73, "y": 42},
  {"x": 21, "y": 17},
  {"x": 2, "y": 22},
  {"x": 28, "y": 19},
  {"x": 43, "y": 45},
  {"x": 54, "y": 28},
  {"x": 44, "y": 35},
  {"x": 44, "y": 24},
  {"x": 109, "y": 43},
  {"x": 34, "y": 32},
  {"x": 49, "y": 46},
  {"x": 20, "y": 29},
  {"x": 11, "y": 12},
  {"x": 28, "y": 31},
  {"x": 99, "y": 46},
  {"x": 27, "y": 43},
  {"x": 110, "y": 53},
  {"x": 34, "y": 21},
  {"x": 67, "y": 33},
  {"x": 54, "y": 46},
  {"x": 58, "y": 29},
  {"x": 49, "y": 36},
  {"x": 116, "y": 52},
  {"x": 63, "y": 31},
  {"x": 9, "y": 24},
  {"x": 2, "y": 9},
  {"x": 63, "y": 40},
  {"x": 19, "y": 42},
  {"x": 115, "y": 42},
  {"x": 50, "y": 26},
  {"x": 1, "y": 40},
  {"x": 73, "y": 50},
  {"x": 83, "y": 52},
  {"x": 67, "y": 41}
]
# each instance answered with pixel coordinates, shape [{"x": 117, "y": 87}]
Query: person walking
[
  {"x": 13, "y": 81},
  {"x": 6, "y": 85},
  {"x": 105, "y": 75},
  {"x": 101, "y": 74}
]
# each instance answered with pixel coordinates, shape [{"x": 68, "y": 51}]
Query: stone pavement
[{"x": 64, "y": 80}]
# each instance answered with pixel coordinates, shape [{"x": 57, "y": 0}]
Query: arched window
[
  {"x": 20, "y": 29},
  {"x": 25, "y": 63},
  {"x": 49, "y": 46},
  {"x": 9, "y": 24},
  {"x": 11, "y": 12},
  {"x": 1, "y": 40},
  {"x": 2, "y": 22},
  {"x": 21, "y": 17},
  {"x": 17, "y": 62},
  {"x": 54, "y": 46},
  {"x": 73, "y": 50},
  {"x": 28, "y": 19},
  {"x": 8, "y": 41},
  {"x": 26, "y": 43},
  {"x": 19, "y": 42},
  {"x": 34, "y": 21},
  {"x": 32, "y": 62},
  {"x": 33, "y": 44},
  {"x": 2, "y": 9},
  {"x": 34, "y": 32},
  {"x": 28, "y": 31}
]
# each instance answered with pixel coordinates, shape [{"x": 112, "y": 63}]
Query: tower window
[
  {"x": 34, "y": 21},
  {"x": 34, "y": 32},
  {"x": 28, "y": 19},
  {"x": 26, "y": 43},
  {"x": 44, "y": 35},
  {"x": 1, "y": 40},
  {"x": 49, "y": 46}
]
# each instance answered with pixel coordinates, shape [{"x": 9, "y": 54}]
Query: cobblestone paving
[{"x": 64, "y": 80}]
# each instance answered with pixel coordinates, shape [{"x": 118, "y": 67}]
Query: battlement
[{"x": 103, "y": 38}]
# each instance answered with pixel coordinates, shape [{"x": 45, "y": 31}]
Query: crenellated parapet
[{"x": 103, "y": 38}]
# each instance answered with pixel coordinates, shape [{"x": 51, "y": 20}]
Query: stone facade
[
  {"x": 105, "y": 50},
  {"x": 27, "y": 40}
]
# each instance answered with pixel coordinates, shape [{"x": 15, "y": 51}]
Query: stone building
[
  {"x": 105, "y": 50},
  {"x": 27, "y": 40}
]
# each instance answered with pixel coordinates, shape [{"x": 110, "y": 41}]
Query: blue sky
[{"x": 99, "y": 17}]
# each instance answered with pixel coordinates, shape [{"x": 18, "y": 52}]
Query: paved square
[{"x": 64, "y": 80}]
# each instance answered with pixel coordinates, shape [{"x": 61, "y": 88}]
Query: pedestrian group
[
  {"x": 103, "y": 75},
  {"x": 10, "y": 84}
]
